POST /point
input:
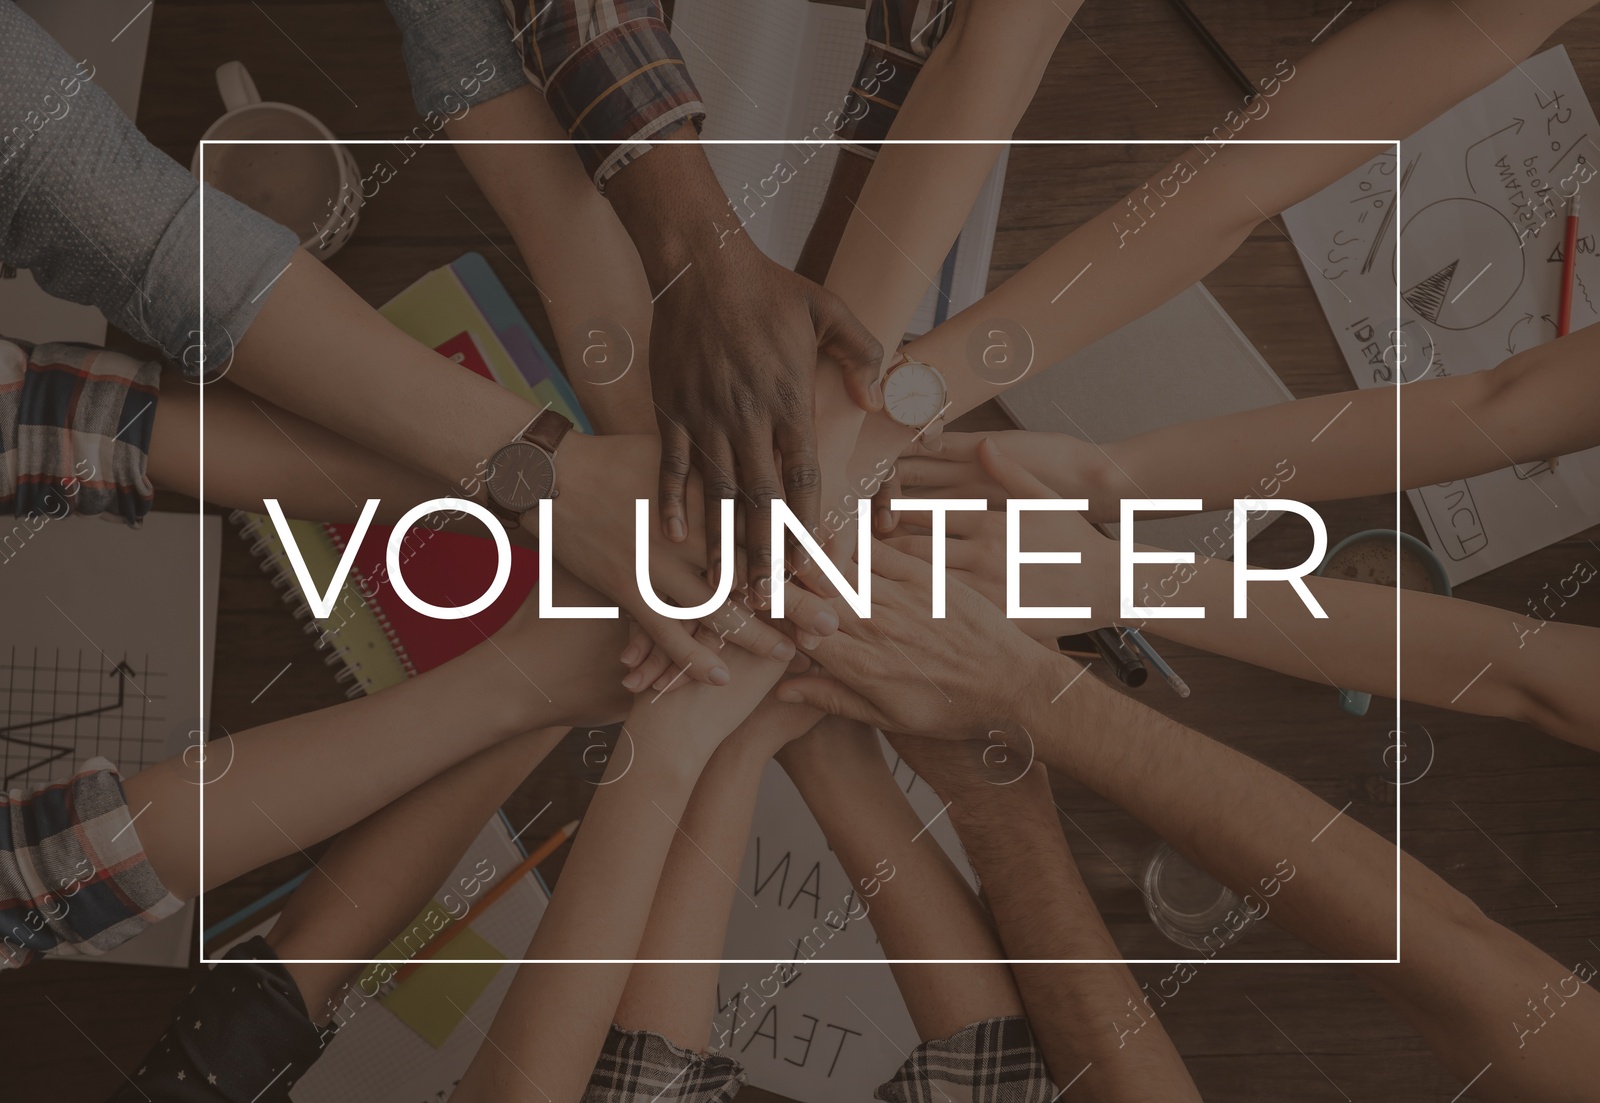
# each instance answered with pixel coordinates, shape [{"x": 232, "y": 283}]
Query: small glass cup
[{"x": 1189, "y": 906}]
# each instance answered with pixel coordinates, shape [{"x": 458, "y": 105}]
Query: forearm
[
  {"x": 1456, "y": 654},
  {"x": 1331, "y": 882},
  {"x": 555, "y": 1016},
  {"x": 319, "y": 350},
  {"x": 974, "y": 87},
  {"x": 844, "y": 187},
  {"x": 674, "y": 210},
  {"x": 1044, "y": 912},
  {"x": 899, "y": 232},
  {"x": 578, "y": 256},
  {"x": 689, "y": 916},
  {"x": 554, "y": 1019},
  {"x": 919, "y": 905},
  {"x": 294, "y": 782},
  {"x": 1247, "y": 825},
  {"x": 1522, "y": 1020},
  {"x": 379, "y": 874},
  {"x": 1533, "y": 406},
  {"x": 1207, "y": 201}
]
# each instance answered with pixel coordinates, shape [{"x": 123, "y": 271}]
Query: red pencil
[{"x": 1569, "y": 263}]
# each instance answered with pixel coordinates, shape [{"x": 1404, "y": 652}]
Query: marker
[
  {"x": 1128, "y": 667},
  {"x": 1179, "y": 686}
]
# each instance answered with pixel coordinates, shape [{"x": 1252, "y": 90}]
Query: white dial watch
[{"x": 915, "y": 395}]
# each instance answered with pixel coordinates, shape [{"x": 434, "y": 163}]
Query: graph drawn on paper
[
  {"x": 60, "y": 706},
  {"x": 1477, "y": 200}
]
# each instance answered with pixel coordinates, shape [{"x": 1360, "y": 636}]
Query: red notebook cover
[{"x": 442, "y": 568}]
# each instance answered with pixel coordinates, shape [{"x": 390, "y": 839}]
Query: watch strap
[{"x": 546, "y": 430}]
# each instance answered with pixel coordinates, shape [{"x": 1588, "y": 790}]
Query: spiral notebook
[{"x": 372, "y": 638}]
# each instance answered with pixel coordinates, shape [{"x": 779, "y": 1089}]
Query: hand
[
  {"x": 558, "y": 667},
  {"x": 600, "y": 479},
  {"x": 949, "y": 468},
  {"x": 901, "y": 670},
  {"x": 733, "y": 351},
  {"x": 975, "y": 548},
  {"x": 773, "y": 728},
  {"x": 682, "y": 730},
  {"x": 650, "y": 667}
]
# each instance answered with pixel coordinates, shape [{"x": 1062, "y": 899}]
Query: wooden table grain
[{"x": 1507, "y": 815}]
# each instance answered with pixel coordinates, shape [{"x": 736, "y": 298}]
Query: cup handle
[{"x": 238, "y": 90}]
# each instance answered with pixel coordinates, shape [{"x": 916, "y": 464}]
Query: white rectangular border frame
[{"x": 1397, "y": 733}]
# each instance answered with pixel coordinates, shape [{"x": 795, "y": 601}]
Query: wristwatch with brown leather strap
[{"x": 524, "y": 471}]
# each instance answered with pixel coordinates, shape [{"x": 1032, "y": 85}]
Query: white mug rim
[{"x": 328, "y": 142}]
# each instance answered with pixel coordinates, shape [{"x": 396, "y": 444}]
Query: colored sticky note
[{"x": 433, "y": 1000}]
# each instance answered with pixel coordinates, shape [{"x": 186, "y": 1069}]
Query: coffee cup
[
  {"x": 1370, "y": 557},
  {"x": 313, "y": 188}
]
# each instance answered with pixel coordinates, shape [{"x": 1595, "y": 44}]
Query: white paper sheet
[{"x": 1482, "y": 210}]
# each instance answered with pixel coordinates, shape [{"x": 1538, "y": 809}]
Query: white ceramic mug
[{"x": 314, "y": 189}]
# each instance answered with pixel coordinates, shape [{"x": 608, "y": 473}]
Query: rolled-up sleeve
[
  {"x": 610, "y": 72},
  {"x": 458, "y": 53},
  {"x": 100, "y": 216},
  {"x": 75, "y": 427},
  {"x": 900, "y": 36},
  {"x": 74, "y": 879}
]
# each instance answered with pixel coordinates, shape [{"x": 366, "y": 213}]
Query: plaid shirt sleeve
[
  {"x": 75, "y": 429},
  {"x": 994, "y": 1061},
  {"x": 609, "y": 70},
  {"x": 900, "y": 36},
  {"x": 74, "y": 879},
  {"x": 637, "y": 1066}
]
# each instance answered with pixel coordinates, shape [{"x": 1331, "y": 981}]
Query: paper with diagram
[
  {"x": 802, "y": 1023},
  {"x": 104, "y": 651},
  {"x": 1479, "y": 199}
]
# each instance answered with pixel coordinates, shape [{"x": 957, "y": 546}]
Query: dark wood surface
[{"x": 1126, "y": 70}]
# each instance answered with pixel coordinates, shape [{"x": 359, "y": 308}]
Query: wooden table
[{"x": 1127, "y": 70}]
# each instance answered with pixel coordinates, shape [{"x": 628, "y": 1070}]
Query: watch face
[
  {"x": 914, "y": 394},
  {"x": 519, "y": 475}
]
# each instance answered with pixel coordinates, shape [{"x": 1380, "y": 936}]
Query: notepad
[{"x": 433, "y": 1000}]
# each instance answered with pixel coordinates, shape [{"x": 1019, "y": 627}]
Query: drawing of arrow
[
  {"x": 1466, "y": 158},
  {"x": 121, "y": 668},
  {"x": 1511, "y": 334}
]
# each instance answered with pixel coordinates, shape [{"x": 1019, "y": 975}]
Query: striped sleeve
[
  {"x": 74, "y": 879},
  {"x": 610, "y": 72},
  {"x": 75, "y": 427},
  {"x": 900, "y": 36}
]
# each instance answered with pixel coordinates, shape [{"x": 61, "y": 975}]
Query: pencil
[
  {"x": 1569, "y": 272},
  {"x": 543, "y": 851},
  {"x": 1179, "y": 686},
  {"x": 1211, "y": 43},
  {"x": 1569, "y": 266}
]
